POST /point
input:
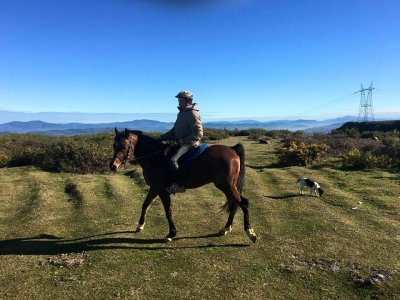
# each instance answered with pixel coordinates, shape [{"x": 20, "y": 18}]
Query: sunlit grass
[{"x": 308, "y": 247}]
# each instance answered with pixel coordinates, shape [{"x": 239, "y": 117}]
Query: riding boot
[
  {"x": 176, "y": 182},
  {"x": 176, "y": 174}
]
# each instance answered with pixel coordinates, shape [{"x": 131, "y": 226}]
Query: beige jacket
[{"x": 187, "y": 128}]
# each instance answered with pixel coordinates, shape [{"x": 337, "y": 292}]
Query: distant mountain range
[{"x": 157, "y": 126}]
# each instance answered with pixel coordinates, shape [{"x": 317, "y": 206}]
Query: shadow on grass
[
  {"x": 283, "y": 197},
  {"x": 136, "y": 176},
  {"x": 45, "y": 244},
  {"x": 267, "y": 166},
  {"x": 324, "y": 166}
]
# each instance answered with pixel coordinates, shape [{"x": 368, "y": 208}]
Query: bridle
[{"x": 129, "y": 153}]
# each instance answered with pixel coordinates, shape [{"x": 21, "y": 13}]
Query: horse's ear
[
  {"x": 116, "y": 131},
  {"x": 126, "y": 132}
]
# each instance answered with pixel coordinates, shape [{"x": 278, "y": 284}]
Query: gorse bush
[
  {"x": 301, "y": 154},
  {"x": 355, "y": 159}
]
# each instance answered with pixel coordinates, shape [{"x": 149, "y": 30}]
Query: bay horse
[{"x": 218, "y": 164}]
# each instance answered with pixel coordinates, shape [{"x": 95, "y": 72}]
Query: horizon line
[{"x": 96, "y": 118}]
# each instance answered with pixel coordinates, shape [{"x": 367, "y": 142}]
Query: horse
[{"x": 218, "y": 164}]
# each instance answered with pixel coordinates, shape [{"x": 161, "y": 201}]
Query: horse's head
[{"x": 124, "y": 148}]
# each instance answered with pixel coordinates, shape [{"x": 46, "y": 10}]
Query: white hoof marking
[
  {"x": 139, "y": 227},
  {"x": 225, "y": 230},
  {"x": 251, "y": 234}
]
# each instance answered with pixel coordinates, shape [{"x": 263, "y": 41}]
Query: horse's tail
[{"x": 239, "y": 149}]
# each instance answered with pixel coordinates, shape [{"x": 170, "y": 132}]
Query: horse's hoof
[
  {"x": 224, "y": 230},
  {"x": 139, "y": 228},
  {"x": 253, "y": 238},
  {"x": 251, "y": 234},
  {"x": 168, "y": 240}
]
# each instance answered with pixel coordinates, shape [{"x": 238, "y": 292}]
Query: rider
[{"x": 187, "y": 133}]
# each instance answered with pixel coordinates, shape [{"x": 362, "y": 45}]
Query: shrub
[
  {"x": 278, "y": 134},
  {"x": 4, "y": 159},
  {"x": 391, "y": 150},
  {"x": 256, "y": 134},
  {"x": 353, "y": 132},
  {"x": 211, "y": 134},
  {"x": 355, "y": 159},
  {"x": 78, "y": 154},
  {"x": 299, "y": 153}
]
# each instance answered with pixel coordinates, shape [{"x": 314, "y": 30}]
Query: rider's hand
[{"x": 169, "y": 143}]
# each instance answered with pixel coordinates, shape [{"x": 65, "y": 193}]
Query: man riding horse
[{"x": 186, "y": 134}]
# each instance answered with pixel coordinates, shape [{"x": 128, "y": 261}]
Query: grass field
[{"x": 66, "y": 236}]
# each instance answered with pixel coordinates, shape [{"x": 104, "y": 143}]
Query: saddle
[
  {"x": 189, "y": 156},
  {"x": 184, "y": 161}
]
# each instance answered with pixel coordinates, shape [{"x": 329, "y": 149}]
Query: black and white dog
[{"x": 312, "y": 185}]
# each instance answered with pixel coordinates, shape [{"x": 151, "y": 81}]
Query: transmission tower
[{"x": 366, "y": 112}]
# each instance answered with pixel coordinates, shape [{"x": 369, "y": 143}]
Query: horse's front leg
[
  {"x": 151, "y": 195},
  {"x": 166, "y": 201}
]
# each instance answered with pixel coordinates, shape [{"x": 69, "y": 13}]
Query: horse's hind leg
[
  {"x": 235, "y": 199},
  {"x": 166, "y": 201},
  {"x": 232, "y": 207},
  {"x": 244, "y": 205},
  {"x": 151, "y": 195}
]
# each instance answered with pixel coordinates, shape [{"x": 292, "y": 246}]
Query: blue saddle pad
[{"x": 191, "y": 155}]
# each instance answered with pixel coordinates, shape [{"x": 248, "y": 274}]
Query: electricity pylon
[{"x": 366, "y": 112}]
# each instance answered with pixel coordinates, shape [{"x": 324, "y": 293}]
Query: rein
[
  {"x": 130, "y": 152},
  {"x": 151, "y": 154}
]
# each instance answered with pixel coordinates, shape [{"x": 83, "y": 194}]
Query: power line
[{"x": 325, "y": 105}]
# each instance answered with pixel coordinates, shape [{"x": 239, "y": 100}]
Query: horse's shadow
[
  {"x": 284, "y": 197},
  {"x": 45, "y": 244}
]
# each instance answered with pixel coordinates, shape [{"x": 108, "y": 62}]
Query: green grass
[{"x": 78, "y": 242}]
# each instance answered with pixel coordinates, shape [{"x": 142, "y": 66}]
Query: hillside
[
  {"x": 157, "y": 126},
  {"x": 383, "y": 126},
  {"x": 58, "y": 244}
]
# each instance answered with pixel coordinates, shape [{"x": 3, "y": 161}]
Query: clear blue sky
[{"x": 240, "y": 58}]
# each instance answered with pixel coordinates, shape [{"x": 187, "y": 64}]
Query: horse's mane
[
  {"x": 148, "y": 141},
  {"x": 147, "y": 144}
]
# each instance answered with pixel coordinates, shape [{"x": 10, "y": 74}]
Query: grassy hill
[
  {"x": 68, "y": 236},
  {"x": 383, "y": 126}
]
